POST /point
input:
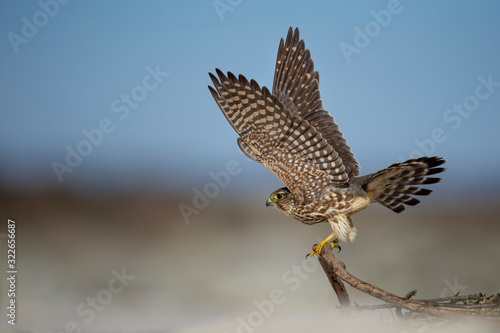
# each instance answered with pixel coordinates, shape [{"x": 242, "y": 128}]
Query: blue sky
[{"x": 416, "y": 82}]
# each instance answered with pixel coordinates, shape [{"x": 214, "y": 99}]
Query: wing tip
[{"x": 215, "y": 93}]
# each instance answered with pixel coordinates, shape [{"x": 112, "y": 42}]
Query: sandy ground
[{"x": 132, "y": 264}]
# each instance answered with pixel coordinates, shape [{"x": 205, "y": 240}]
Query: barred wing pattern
[
  {"x": 283, "y": 142},
  {"x": 296, "y": 85},
  {"x": 394, "y": 185}
]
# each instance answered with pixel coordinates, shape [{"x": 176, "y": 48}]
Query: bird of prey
[{"x": 290, "y": 133}]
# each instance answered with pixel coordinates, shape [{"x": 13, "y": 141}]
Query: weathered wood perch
[{"x": 486, "y": 312}]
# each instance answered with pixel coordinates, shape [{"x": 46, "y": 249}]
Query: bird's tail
[{"x": 392, "y": 187}]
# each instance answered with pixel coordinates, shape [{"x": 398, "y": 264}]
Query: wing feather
[
  {"x": 296, "y": 84},
  {"x": 283, "y": 142}
]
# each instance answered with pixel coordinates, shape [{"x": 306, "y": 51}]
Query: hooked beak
[{"x": 269, "y": 202}]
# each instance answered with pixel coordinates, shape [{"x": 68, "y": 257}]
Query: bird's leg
[{"x": 318, "y": 247}]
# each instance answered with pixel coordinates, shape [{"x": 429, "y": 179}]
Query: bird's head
[{"x": 282, "y": 199}]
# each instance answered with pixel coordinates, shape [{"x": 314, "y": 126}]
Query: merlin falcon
[{"x": 290, "y": 133}]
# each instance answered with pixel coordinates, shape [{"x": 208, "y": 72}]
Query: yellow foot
[{"x": 318, "y": 247}]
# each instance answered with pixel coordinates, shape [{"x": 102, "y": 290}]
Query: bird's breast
[{"x": 330, "y": 204}]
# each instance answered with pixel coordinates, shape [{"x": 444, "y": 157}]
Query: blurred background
[{"x": 135, "y": 209}]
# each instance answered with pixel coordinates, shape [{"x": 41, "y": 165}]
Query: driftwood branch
[
  {"x": 337, "y": 285},
  {"x": 472, "y": 307}
]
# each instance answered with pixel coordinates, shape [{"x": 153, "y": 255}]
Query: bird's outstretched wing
[
  {"x": 283, "y": 142},
  {"x": 296, "y": 85}
]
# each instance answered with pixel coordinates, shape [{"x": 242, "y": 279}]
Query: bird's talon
[
  {"x": 334, "y": 244},
  {"x": 312, "y": 254},
  {"x": 316, "y": 251},
  {"x": 317, "y": 248}
]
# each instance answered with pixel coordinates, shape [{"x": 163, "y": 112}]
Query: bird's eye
[{"x": 279, "y": 196}]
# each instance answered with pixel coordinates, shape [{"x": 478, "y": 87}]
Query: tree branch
[
  {"x": 337, "y": 284},
  {"x": 441, "y": 307}
]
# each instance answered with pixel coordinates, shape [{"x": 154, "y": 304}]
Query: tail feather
[{"x": 391, "y": 187}]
